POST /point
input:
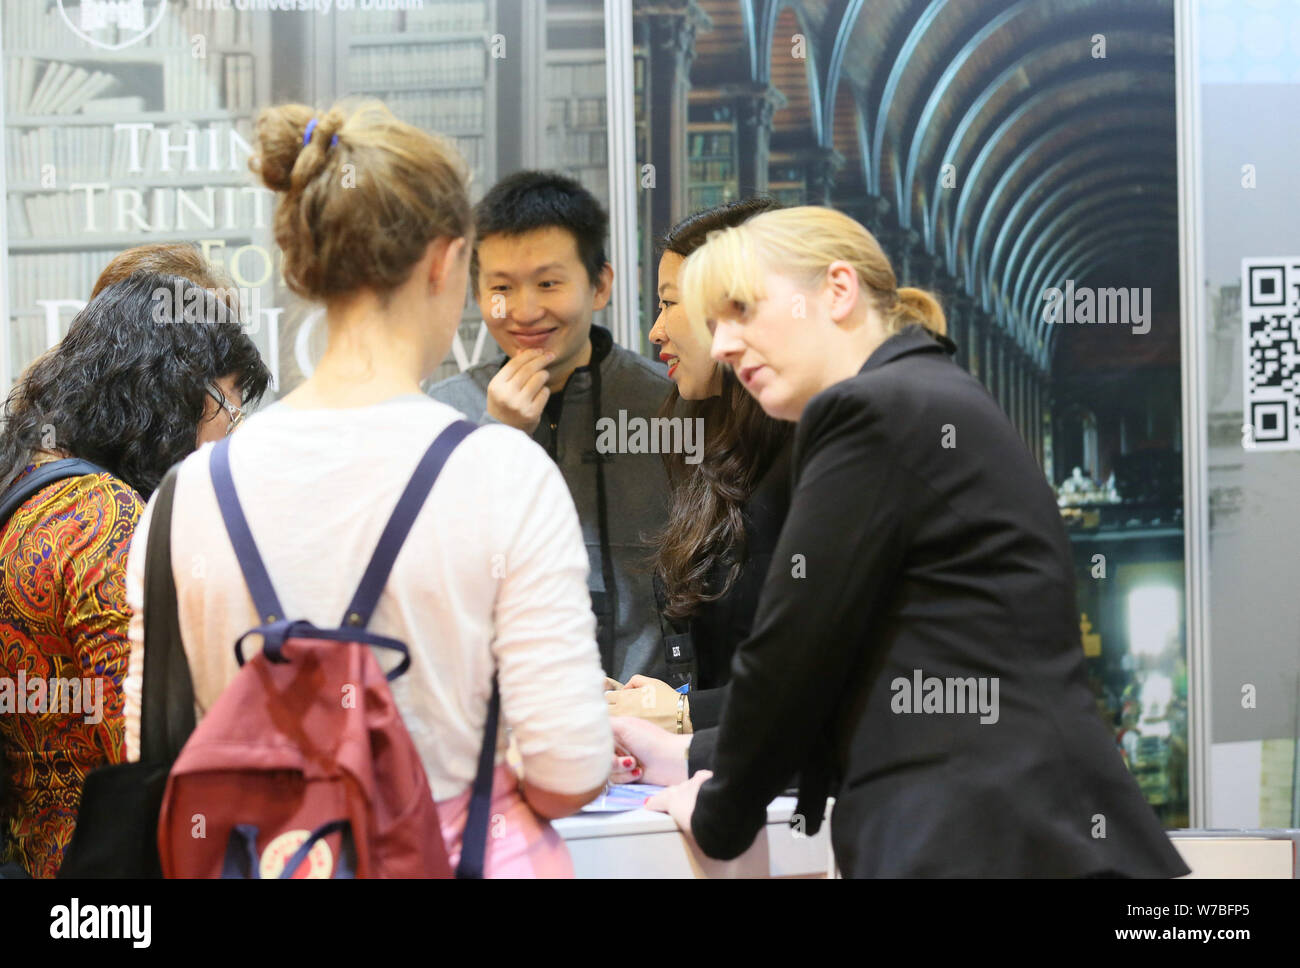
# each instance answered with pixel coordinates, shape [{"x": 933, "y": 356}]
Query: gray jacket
[{"x": 636, "y": 490}]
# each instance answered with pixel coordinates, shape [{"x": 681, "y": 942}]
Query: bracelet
[{"x": 681, "y": 712}]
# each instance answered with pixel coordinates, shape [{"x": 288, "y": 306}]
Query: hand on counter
[
  {"x": 678, "y": 801},
  {"x": 625, "y": 769},
  {"x": 650, "y": 699},
  {"x": 661, "y": 755}
]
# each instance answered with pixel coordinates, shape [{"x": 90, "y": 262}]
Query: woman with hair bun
[
  {"x": 374, "y": 222},
  {"x": 916, "y": 649}
]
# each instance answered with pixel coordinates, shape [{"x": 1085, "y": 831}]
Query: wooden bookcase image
[
  {"x": 787, "y": 179},
  {"x": 712, "y": 158},
  {"x": 711, "y": 144}
]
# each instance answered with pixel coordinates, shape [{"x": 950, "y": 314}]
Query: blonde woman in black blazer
[{"x": 916, "y": 650}]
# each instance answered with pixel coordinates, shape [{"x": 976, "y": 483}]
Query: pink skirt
[{"x": 519, "y": 843}]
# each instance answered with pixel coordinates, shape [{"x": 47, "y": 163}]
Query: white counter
[
  {"x": 643, "y": 843},
  {"x": 1238, "y": 853}
]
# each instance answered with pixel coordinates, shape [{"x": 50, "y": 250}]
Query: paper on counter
[{"x": 622, "y": 796}]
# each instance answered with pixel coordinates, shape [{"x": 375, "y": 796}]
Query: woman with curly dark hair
[
  {"x": 726, "y": 511},
  {"x": 152, "y": 367}
]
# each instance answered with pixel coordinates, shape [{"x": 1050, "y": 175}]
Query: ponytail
[{"x": 918, "y": 306}]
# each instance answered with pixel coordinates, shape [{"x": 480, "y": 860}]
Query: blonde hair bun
[
  {"x": 919, "y": 306},
  {"x": 358, "y": 212}
]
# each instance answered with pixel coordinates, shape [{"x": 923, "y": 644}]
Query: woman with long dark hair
[
  {"x": 138, "y": 382},
  {"x": 726, "y": 510}
]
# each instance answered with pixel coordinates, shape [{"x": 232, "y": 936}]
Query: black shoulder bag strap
[
  {"x": 167, "y": 694},
  {"x": 117, "y": 823},
  {"x": 45, "y": 475}
]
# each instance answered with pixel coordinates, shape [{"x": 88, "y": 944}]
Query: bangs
[{"x": 725, "y": 269}]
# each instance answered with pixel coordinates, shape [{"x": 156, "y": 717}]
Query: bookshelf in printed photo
[
  {"x": 575, "y": 134},
  {"x": 433, "y": 68},
  {"x": 116, "y": 137},
  {"x": 787, "y": 178},
  {"x": 713, "y": 176}
]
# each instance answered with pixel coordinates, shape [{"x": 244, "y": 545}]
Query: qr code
[{"x": 1270, "y": 320}]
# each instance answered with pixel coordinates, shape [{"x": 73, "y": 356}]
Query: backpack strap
[
  {"x": 399, "y": 524},
  {"x": 381, "y": 562},
  {"x": 42, "y": 477},
  {"x": 362, "y": 607},
  {"x": 241, "y": 537},
  {"x": 473, "y": 842}
]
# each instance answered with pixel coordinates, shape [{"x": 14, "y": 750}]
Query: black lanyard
[
  {"x": 604, "y": 604},
  {"x": 610, "y": 623}
]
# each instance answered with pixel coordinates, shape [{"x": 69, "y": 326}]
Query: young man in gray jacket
[{"x": 538, "y": 274}]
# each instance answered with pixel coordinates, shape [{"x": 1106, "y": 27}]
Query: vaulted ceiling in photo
[{"x": 1024, "y": 142}]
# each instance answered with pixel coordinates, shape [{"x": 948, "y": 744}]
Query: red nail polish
[
  {"x": 636, "y": 772},
  {"x": 628, "y": 761}
]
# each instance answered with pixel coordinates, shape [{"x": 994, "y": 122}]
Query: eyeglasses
[{"x": 235, "y": 413}]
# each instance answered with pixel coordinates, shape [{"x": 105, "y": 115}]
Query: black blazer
[
  {"x": 924, "y": 542},
  {"x": 718, "y": 627}
]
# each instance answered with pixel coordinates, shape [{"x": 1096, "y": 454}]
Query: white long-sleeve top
[{"x": 491, "y": 577}]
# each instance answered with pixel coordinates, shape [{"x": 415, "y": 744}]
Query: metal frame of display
[
  {"x": 620, "y": 86},
  {"x": 1196, "y": 547}
]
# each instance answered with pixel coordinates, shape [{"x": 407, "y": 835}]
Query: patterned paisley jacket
[{"x": 63, "y": 616}]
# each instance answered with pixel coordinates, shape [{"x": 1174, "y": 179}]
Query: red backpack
[{"x": 302, "y": 767}]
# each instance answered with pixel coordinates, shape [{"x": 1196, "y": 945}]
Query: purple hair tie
[{"x": 306, "y": 135}]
